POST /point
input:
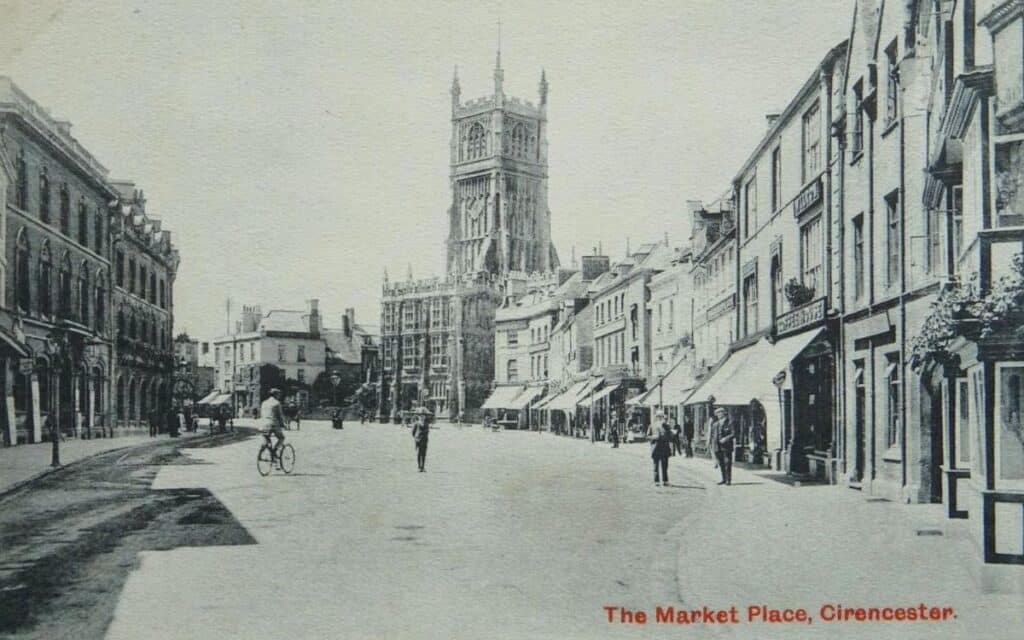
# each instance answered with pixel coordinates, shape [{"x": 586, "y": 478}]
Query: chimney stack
[{"x": 313, "y": 316}]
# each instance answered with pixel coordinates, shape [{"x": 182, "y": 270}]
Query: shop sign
[
  {"x": 722, "y": 307},
  {"x": 801, "y": 318},
  {"x": 809, "y": 197}
]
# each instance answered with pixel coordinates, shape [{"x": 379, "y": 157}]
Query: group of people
[{"x": 669, "y": 440}]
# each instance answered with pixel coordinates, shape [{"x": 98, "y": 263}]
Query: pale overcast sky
[{"x": 295, "y": 149}]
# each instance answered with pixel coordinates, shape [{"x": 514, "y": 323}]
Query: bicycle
[{"x": 270, "y": 457}]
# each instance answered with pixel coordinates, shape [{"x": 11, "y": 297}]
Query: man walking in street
[
  {"x": 661, "y": 449},
  {"x": 721, "y": 437},
  {"x": 677, "y": 437},
  {"x": 420, "y": 435}
]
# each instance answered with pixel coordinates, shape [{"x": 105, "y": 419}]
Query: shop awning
[
  {"x": 637, "y": 401},
  {"x": 502, "y": 397},
  {"x": 566, "y": 401},
  {"x": 224, "y": 398},
  {"x": 752, "y": 377},
  {"x": 599, "y": 395},
  {"x": 207, "y": 399},
  {"x": 523, "y": 400}
]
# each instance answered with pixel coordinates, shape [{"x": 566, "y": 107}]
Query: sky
[{"x": 296, "y": 150}]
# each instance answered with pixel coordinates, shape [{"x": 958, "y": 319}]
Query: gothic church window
[
  {"x": 477, "y": 143},
  {"x": 44, "y": 196}
]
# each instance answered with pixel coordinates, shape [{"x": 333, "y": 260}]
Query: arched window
[
  {"x": 519, "y": 140},
  {"x": 83, "y": 224},
  {"x": 44, "y": 196},
  {"x": 84, "y": 293},
  {"x": 22, "y": 287},
  {"x": 65, "y": 210},
  {"x": 152, "y": 287},
  {"x": 131, "y": 326},
  {"x": 65, "y": 286},
  {"x": 120, "y": 323},
  {"x": 163, "y": 298},
  {"x": 477, "y": 143},
  {"x": 21, "y": 188},
  {"x": 98, "y": 231},
  {"x": 45, "y": 285},
  {"x": 101, "y": 302}
]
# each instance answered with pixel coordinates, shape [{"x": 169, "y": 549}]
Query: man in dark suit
[
  {"x": 661, "y": 449},
  {"x": 721, "y": 437},
  {"x": 420, "y": 435},
  {"x": 688, "y": 436}
]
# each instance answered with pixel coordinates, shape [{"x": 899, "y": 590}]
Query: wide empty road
[{"x": 507, "y": 534}]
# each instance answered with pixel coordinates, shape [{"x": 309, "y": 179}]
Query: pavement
[{"x": 21, "y": 465}]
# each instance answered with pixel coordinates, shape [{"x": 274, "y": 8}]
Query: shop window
[
  {"x": 963, "y": 424},
  {"x": 957, "y": 214},
  {"x": 1009, "y": 184},
  {"x": 892, "y": 404},
  {"x": 811, "y": 161},
  {"x": 512, "y": 371},
  {"x": 892, "y": 238},
  {"x": 1010, "y": 441}
]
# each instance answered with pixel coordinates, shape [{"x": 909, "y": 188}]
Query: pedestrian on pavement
[
  {"x": 154, "y": 423},
  {"x": 420, "y": 436},
  {"x": 614, "y": 435},
  {"x": 721, "y": 437},
  {"x": 677, "y": 435},
  {"x": 688, "y": 435},
  {"x": 661, "y": 449}
]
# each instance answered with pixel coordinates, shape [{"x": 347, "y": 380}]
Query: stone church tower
[{"x": 499, "y": 220}]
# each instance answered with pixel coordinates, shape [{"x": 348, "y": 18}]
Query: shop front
[{"x": 779, "y": 394}]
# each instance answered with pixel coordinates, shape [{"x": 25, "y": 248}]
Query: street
[{"x": 507, "y": 534}]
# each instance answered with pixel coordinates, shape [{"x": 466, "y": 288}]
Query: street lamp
[{"x": 660, "y": 367}]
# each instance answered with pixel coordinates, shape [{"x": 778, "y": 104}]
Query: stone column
[
  {"x": 91, "y": 406},
  {"x": 37, "y": 418},
  {"x": 10, "y": 367}
]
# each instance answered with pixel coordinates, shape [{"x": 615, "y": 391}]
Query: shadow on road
[{"x": 69, "y": 542}]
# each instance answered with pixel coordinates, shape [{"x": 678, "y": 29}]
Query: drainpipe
[
  {"x": 826, "y": 79},
  {"x": 905, "y": 386}
]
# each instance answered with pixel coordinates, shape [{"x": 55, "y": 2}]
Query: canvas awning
[
  {"x": 502, "y": 397},
  {"x": 765, "y": 360},
  {"x": 523, "y": 400},
  {"x": 566, "y": 401},
  {"x": 223, "y": 398},
  {"x": 603, "y": 393},
  {"x": 207, "y": 399}
]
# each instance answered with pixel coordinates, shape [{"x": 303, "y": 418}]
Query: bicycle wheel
[
  {"x": 264, "y": 463},
  {"x": 287, "y": 458}
]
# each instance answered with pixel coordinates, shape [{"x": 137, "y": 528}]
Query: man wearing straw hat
[{"x": 721, "y": 437}]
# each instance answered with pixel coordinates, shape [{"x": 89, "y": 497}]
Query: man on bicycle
[{"x": 273, "y": 419}]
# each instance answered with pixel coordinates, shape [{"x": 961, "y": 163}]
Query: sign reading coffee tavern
[{"x": 801, "y": 318}]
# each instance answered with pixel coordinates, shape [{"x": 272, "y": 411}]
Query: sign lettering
[
  {"x": 801, "y": 318},
  {"x": 809, "y": 197}
]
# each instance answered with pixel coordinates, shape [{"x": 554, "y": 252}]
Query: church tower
[{"x": 499, "y": 220}]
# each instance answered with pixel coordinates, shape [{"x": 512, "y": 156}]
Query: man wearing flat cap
[{"x": 721, "y": 437}]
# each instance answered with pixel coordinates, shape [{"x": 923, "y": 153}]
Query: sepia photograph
[{"x": 393, "y": 320}]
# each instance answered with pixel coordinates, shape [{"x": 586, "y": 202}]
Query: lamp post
[{"x": 660, "y": 367}]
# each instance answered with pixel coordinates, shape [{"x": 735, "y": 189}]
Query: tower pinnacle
[
  {"x": 456, "y": 89},
  {"x": 499, "y": 74},
  {"x": 543, "y": 88}
]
